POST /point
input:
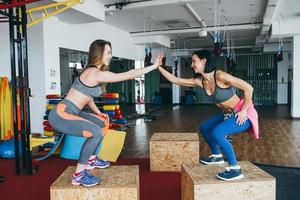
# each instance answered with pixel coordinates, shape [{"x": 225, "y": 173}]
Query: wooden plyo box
[
  {"x": 168, "y": 151},
  {"x": 119, "y": 182},
  {"x": 199, "y": 182}
]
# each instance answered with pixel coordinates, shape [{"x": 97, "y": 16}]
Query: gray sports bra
[
  {"x": 94, "y": 91},
  {"x": 220, "y": 95}
]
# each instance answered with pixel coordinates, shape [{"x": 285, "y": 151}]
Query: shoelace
[
  {"x": 83, "y": 173},
  {"x": 97, "y": 161},
  {"x": 102, "y": 162},
  {"x": 227, "y": 168},
  {"x": 87, "y": 173},
  {"x": 78, "y": 177}
]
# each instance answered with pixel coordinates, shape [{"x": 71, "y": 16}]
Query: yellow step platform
[{"x": 37, "y": 141}]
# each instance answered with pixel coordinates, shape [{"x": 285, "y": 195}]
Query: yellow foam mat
[
  {"x": 34, "y": 142},
  {"x": 112, "y": 145}
]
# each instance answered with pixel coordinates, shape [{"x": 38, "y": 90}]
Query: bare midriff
[
  {"x": 77, "y": 98},
  {"x": 229, "y": 105}
]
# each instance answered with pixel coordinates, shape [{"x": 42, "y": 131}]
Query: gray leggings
[{"x": 68, "y": 119}]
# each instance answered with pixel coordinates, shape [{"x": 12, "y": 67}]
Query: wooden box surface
[
  {"x": 168, "y": 151},
  {"x": 199, "y": 182},
  {"x": 119, "y": 182}
]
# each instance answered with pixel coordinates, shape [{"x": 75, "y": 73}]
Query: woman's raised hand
[{"x": 158, "y": 60}]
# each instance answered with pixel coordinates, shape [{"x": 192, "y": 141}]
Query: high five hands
[{"x": 158, "y": 60}]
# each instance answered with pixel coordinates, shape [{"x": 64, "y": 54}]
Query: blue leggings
[{"x": 215, "y": 130}]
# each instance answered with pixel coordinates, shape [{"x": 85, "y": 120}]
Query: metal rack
[{"x": 14, "y": 12}]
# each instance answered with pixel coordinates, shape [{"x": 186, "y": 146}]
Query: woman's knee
[
  {"x": 93, "y": 132},
  {"x": 217, "y": 135},
  {"x": 98, "y": 122}
]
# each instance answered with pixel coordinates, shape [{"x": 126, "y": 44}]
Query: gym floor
[
  {"x": 279, "y": 142},
  {"x": 278, "y": 146}
]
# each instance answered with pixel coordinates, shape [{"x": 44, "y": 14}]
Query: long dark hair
[
  {"x": 209, "y": 65},
  {"x": 96, "y": 52}
]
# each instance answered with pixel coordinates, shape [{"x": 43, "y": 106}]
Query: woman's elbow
[{"x": 249, "y": 89}]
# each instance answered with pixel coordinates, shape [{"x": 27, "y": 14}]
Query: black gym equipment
[
  {"x": 279, "y": 55},
  {"x": 17, "y": 19}
]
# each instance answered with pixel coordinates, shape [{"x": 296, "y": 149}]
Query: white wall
[
  {"x": 36, "y": 71},
  {"x": 282, "y": 70},
  {"x": 295, "y": 107},
  {"x": 5, "y": 51},
  {"x": 282, "y": 79},
  {"x": 79, "y": 37},
  {"x": 94, "y": 9},
  {"x": 51, "y": 54}
]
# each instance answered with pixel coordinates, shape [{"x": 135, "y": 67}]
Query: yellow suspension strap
[{"x": 50, "y": 10}]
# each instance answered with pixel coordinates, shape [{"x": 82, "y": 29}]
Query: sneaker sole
[
  {"x": 98, "y": 167},
  {"x": 85, "y": 184},
  {"x": 212, "y": 163},
  {"x": 235, "y": 178}
]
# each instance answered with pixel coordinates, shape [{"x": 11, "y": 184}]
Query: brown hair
[
  {"x": 96, "y": 52},
  {"x": 95, "y": 55}
]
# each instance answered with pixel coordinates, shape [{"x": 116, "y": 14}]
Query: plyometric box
[
  {"x": 119, "y": 182},
  {"x": 199, "y": 182},
  {"x": 168, "y": 151}
]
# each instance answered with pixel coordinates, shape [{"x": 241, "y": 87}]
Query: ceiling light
[{"x": 203, "y": 32}]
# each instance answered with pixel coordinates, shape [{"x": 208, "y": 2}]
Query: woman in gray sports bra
[
  {"x": 67, "y": 117},
  {"x": 238, "y": 114}
]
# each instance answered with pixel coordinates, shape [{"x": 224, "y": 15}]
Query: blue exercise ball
[{"x": 7, "y": 149}]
